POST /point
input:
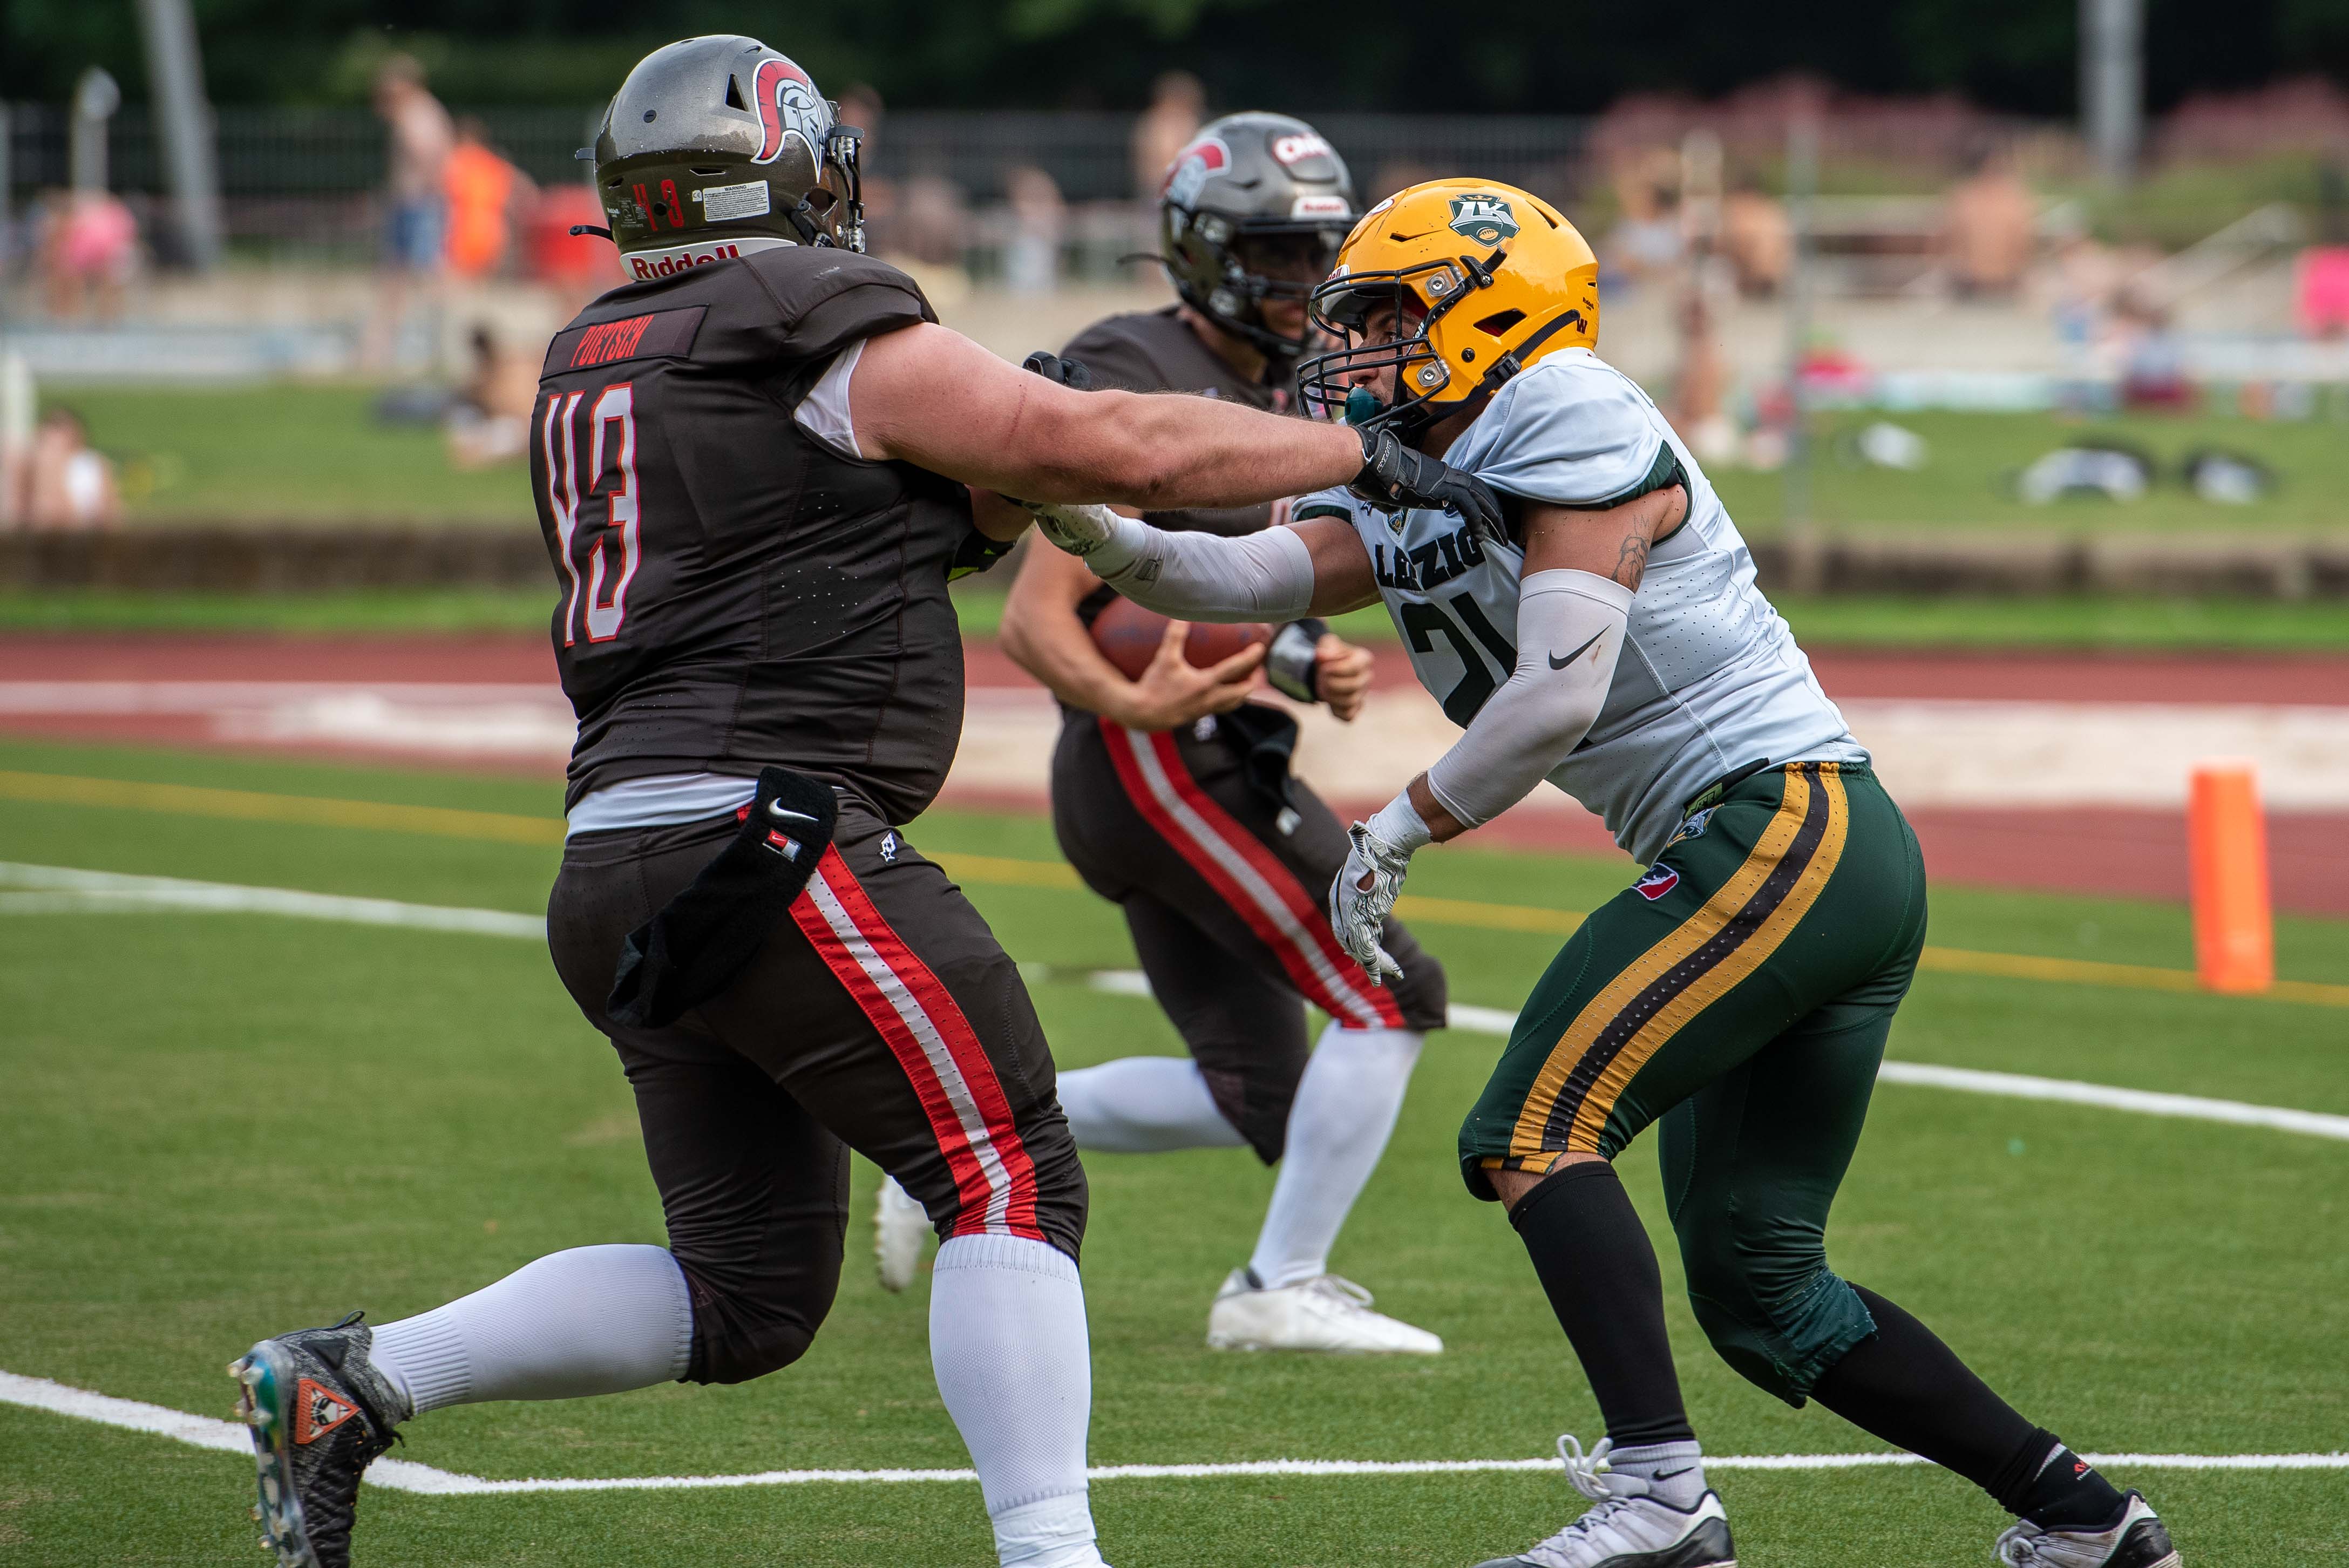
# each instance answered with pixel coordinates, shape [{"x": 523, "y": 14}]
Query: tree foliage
[{"x": 1512, "y": 56}]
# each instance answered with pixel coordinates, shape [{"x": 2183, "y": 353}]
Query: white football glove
[
  {"x": 1364, "y": 896},
  {"x": 1079, "y": 530}
]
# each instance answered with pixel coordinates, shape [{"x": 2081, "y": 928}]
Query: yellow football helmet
[{"x": 1490, "y": 277}]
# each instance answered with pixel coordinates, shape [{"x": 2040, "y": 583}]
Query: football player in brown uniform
[
  {"x": 756, "y": 468},
  {"x": 1173, "y": 796}
]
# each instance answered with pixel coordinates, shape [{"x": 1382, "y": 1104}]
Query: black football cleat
[
  {"x": 320, "y": 1413},
  {"x": 2136, "y": 1539}
]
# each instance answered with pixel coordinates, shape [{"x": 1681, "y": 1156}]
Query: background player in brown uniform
[
  {"x": 1172, "y": 797},
  {"x": 752, "y": 470}
]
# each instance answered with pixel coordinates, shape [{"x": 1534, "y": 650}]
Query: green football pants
[{"x": 1740, "y": 993}]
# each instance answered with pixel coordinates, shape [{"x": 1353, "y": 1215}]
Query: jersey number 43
[{"x": 591, "y": 461}]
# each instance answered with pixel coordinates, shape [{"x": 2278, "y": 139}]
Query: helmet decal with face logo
[
  {"x": 1187, "y": 175},
  {"x": 788, "y": 107}
]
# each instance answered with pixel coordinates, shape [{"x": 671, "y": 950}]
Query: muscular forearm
[{"x": 1162, "y": 452}]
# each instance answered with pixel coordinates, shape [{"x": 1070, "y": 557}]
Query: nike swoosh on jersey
[{"x": 1558, "y": 663}]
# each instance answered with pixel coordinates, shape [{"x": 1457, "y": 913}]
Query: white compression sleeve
[
  {"x": 1262, "y": 576},
  {"x": 1570, "y": 628}
]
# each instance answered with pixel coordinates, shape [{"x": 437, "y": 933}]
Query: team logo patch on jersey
[
  {"x": 318, "y": 1410},
  {"x": 1694, "y": 827},
  {"x": 889, "y": 848},
  {"x": 1656, "y": 882},
  {"x": 1487, "y": 220},
  {"x": 1188, "y": 175}
]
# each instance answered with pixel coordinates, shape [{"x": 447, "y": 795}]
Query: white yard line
[
  {"x": 2012, "y": 1086},
  {"x": 405, "y": 1475},
  {"x": 54, "y": 890},
  {"x": 63, "y": 889}
]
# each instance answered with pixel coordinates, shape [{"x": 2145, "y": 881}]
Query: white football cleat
[
  {"x": 1325, "y": 1313},
  {"x": 2135, "y": 1539},
  {"x": 900, "y": 1228},
  {"x": 1628, "y": 1529}
]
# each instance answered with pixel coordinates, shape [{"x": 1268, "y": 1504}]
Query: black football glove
[
  {"x": 1073, "y": 374},
  {"x": 1395, "y": 477}
]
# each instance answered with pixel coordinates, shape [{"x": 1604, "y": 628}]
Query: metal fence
[{"x": 304, "y": 184}]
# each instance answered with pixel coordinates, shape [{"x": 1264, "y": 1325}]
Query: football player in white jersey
[{"x": 1610, "y": 638}]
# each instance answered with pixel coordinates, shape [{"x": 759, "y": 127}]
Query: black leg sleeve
[
  {"x": 1599, "y": 1272},
  {"x": 1904, "y": 1385}
]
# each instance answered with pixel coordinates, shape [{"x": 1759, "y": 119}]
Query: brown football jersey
[{"x": 732, "y": 592}]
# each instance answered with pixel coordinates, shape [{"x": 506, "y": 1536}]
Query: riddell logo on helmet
[{"x": 667, "y": 264}]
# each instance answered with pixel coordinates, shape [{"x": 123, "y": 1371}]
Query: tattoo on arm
[{"x": 1632, "y": 563}]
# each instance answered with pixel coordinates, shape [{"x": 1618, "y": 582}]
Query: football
[{"x": 1128, "y": 637}]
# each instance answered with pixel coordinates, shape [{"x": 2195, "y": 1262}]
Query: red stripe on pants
[
  {"x": 1346, "y": 993},
  {"x": 924, "y": 1003}
]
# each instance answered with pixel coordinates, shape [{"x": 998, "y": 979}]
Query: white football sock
[
  {"x": 1674, "y": 1471},
  {"x": 1143, "y": 1105},
  {"x": 594, "y": 1320},
  {"x": 1008, "y": 1344},
  {"x": 1345, "y": 1110}
]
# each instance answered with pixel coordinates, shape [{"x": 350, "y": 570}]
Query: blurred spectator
[
  {"x": 1757, "y": 238},
  {"x": 60, "y": 482},
  {"x": 1987, "y": 226},
  {"x": 90, "y": 248},
  {"x": 574, "y": 267},
  {"x": 480, "y": 190},
  {"x": 2320, "y": 276},
  {"x": 489, "y": 421},
  {"x": 1031, "y": 259},
  {"x": 1177, "y": 103},
  {"x": 861, "y": 107},
  {"x": 416, "y": 229},
  {"x": 2321, "y": 291},
  {"x": 2153, "y": 362},
  {"x": 1701, "y": 386},
  {"x": 1647, "y": 241}
]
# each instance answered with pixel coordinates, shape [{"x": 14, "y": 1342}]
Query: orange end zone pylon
[{"x": 2227, "y": 847}]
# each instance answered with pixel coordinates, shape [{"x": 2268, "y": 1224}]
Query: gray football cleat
[
  {"x": 320, "y": 1413},
  {"x": 2135, "y": 1539},
  {"x": 1628, "y": 1528}
]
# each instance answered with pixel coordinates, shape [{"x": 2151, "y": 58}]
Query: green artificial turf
[
  {"x": 316, "y": 453},
  {"x": 1971, "y": 458},
  {"x": 1855, "y": 621},
  {"x": 220, "y": 1126},
  {"x": 287, "y": 452}
]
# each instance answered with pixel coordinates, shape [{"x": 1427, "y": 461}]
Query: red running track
[{"x": 2122, "y": 853}]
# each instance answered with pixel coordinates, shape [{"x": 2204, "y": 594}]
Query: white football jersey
[{"x": 1710, "y": 678}]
